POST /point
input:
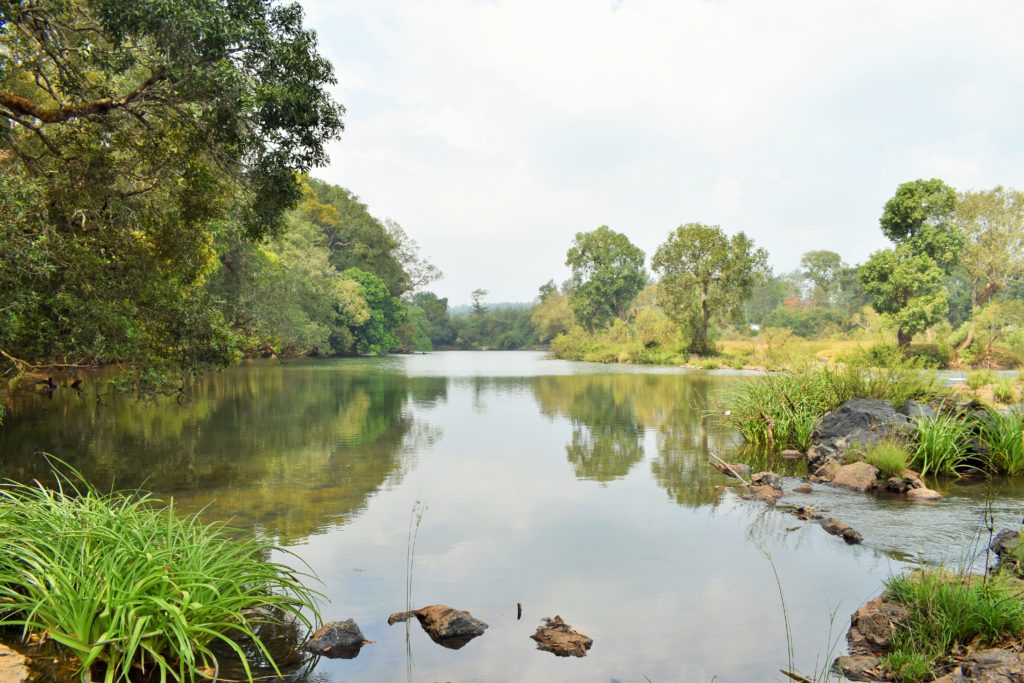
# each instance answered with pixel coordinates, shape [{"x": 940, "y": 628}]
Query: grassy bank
[{"x": 125, "y": 585}]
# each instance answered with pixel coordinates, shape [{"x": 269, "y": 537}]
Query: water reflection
[{"x": 290, "y": 449}]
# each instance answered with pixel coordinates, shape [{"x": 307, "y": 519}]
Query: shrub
[
  {"x": 980, "y": 378},
  {"x": 121, "y": 580},
  {"x": 1004, "y": 391},
  {"x": 947, "y": 612},
  {"x": 890, "y": 457},
  {"x": 1002, "y": 437},
  {"x": 942, "y": 443}
]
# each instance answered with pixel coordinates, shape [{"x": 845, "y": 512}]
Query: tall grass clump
[
  {"x": 1004, "y": 391},
  {"x": 891, "y": 457},
  {"x": 942, "y": 444},
  {"x": 123, "y": 583},
  {"x": 1002, "y": 437},
  {"x": 948, "y": 611},
  {"x": 781, "y": 410},
  {"x": 980, "y": 378}
]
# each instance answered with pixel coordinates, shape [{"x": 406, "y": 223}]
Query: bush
[
  {"x": 948, "y": 612},
  {"x": 1004, "y": 391},
  {"x": 891, "y": 457},
  {"x": 120, "y": 580}
]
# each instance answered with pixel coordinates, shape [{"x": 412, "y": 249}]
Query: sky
[{"x": 494, "y": 131}]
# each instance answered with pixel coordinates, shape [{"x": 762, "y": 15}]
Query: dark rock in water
[
  {"x": 872, "y": 626},
  {"x": 1005, "y": 543},
  {"x": 843, "y": 530},
  {"x": 448, "y": 627},
  {"x": 732, "y": 469},
  {"x": 765, "y": 493},
  {"x": 988, "y": 666},
  {"x": 858, "y": 476},
  {"x": 337, "y": 640},
  {"x": 767, "y": 479},
  {"x": 859, "y": 668},
  {"x": 909, "y": 481},
  {"x": 916, "y": 410},
  {"x": 559, "y": 638},
  {"x": 859, "y": 422},
  {"x": 803, "y": 488}
]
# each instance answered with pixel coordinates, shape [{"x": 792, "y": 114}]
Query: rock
[
  {"x": 923, "y": 494},
  {"x": 872, "y": 626},
  {"x": 988, "y": 666},
  {"x": 843, "y": 530},
  {"x": 337, "y": 640},
  {"x": 859, "y": 668},
  {"x": 738, "y": 468},
  {"x": 13, "y": 666},
  {"x": 559, "y": 638},
  {"x": 1005, "y": 543},
  {"x": 803, "y": 488},
  {"x": 909, "y": 480},
  {"x": 825, "y": 470},
  {"x": 916, "y": 410},
  {"x": 859, "y": 476},
  {"x": 808, "y": 512},
  {"x": 790, "y": 454},
  {"x": 767, "y": 479},
  {"x": 857, "y": 423},
  {"x": 768, "y": 494},
  {"x": 450, "y": 628}
]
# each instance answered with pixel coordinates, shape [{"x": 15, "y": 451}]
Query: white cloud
[{"x": 494, "y": 131}]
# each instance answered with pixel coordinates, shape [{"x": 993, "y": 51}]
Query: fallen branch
[{"x": 727, "y": 465}]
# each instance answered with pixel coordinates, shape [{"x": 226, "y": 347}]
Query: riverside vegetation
[{"x": 127, "y": 586}]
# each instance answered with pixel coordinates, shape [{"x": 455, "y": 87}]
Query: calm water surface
[{"x": 573, "y": 489}]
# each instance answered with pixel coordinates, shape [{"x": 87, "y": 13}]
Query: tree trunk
[
  {"x": 701, "y": 342},
  {"x": 903, "y": 338}
]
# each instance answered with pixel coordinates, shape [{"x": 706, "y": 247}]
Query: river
[{"x": 573, "y": 489}]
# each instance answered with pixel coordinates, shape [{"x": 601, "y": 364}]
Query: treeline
[{"x": 952, "y": 283}]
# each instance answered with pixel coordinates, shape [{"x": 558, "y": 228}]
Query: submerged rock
[
  {"x": 858, "y": 476},
  {"x": 808, "y": 512},
  {"x": 843, "y": 530},
  {"x": 13, "y": 666},
  {"x": 767, "y": 479},
  {"x": 559, "y": 638},
  {"x": 766, "y": 493},
  {"x": 448, "y": 627},
  {"x": 923, "y": 493},
  {"x": 732, "y": 469},
  {"x": 337, "y": 640},
  {"x": 873, "y": 625}
]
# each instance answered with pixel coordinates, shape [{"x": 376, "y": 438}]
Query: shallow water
[{"x": 573, "y": 489}]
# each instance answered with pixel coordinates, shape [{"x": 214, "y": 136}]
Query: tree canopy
[{"x": 607, "y": 274}]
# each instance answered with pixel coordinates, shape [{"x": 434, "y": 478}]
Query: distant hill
[{"x": 466, "y": 309}]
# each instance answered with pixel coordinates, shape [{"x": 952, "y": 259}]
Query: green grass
[
  {"x": 1004, "y": 391},
  {"x": 1002, "y": 437},
  {"x": 891, "y": 457},
  {"x": 948, "y": 611},
  {"x": 980, "y": 378},
  {"x": 942, "y": 443},
  {"x": 781, "y": 410},
  {"x": 122, "y": 581}
]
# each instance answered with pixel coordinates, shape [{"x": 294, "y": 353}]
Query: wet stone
[
  {"x": 732, "y": 469},
  {"x": 803, "y": 488},
  {"x": 337, "y": 640},
  {"x": 559, "y": 638},
  {"x": 843, "y": 530},
  {"x": 872, "y": 626},
  {"x": 858, "y": 476},
  {"x": 765, "y": 493},
  {"x": 859, "y": 668},
  {"x": 767, "y": 479},
  {"x": 448, "y": 627},
  {"x": 923, "y": 494},
  {"x": 13, "y": 666}
]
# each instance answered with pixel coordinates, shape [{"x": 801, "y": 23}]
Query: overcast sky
[{"x": 495, "y": 131}]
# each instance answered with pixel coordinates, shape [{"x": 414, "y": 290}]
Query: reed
[
  {"x": 121, "y": 580},
  {"x": 942, "y": 443},
  {"x": 891, "y": 457},
  {"x": 1004, "y": 391},
  {"x": 1001, "y": 435},
  {"x": 980, "y": 378}
]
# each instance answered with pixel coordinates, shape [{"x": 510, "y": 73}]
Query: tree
[
  {"x": 407, "y": 252},
  {"x": 477, "y": 297},
  {"x": 607, "y": 274},
  {"x": 149, "y": 130},
  {"x": 704, "y": 274},
  {"x": 552, "y": 315},
  {"x": 908, "y": 281},
  {"x": 439, "y": 324},
  {"x": 377, "y": 335},
  {"x": 822, "y": 270}
]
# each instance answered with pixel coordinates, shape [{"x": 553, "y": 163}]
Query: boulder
[
  {"x": 559, "y": 638},
  {"x": 767, "y": 479},
  {"x": 766, "y": 493},
  {"x": 859, "y": 422},
  {"x": 858, "y": 476},
  {"x": 1005, "y": 543},
  {"x": 733, "y": 469},
  {"x": 337, "y": 640},
  {"x": 988, "y": 666},
  {"x": 916, "y": 410},
  {"x": 872, "y": 626},
  {"x": 843, "y": 530},
  {"x": 923, "y": 494},
  {"x": 909, "y": 480},
  {"x": 448, "y": 627},
  {"x": 859, "y": 668},
  {"x": 13, "y": 666},
  {"x": 824, "y": 470}
]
